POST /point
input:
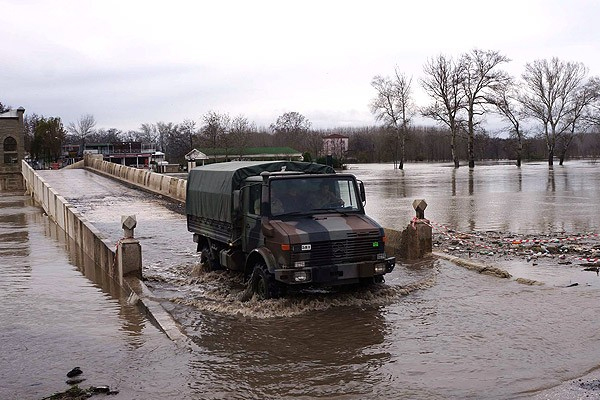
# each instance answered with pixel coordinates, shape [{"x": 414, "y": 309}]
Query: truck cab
[{"x": 291, "y": 224}]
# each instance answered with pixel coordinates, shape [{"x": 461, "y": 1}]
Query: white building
[{"x": 335, "y": 145}]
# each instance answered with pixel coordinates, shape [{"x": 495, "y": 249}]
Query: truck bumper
[{"x": 335, "y": 274}]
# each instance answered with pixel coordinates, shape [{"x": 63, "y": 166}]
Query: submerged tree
[
  {"x": 393, "y": 106},
  {"x": 505, "y": 99},
  {"x": 551, "y": 93},
  {"x": 443, "y": 82},
  {"x": 481, "y": 77},
  {"x": 586, "y": 95}
]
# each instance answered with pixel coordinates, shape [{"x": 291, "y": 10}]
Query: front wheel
[{"x": 263, "y": 283}]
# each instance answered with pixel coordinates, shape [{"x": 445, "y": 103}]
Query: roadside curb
[
  {"x": 485, "y": 269},
  {"x": 142, "y": 296}
]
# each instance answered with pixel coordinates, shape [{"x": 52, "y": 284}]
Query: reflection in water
[
  {"x": 551, "y": 186},
  {"x": 530, "y": 199},
  {"x": 313, "y": 355},
  {"x": 462, "y": 335},
  {"x": 53, "y": 319},
  {"x": 471, "y": 186}
]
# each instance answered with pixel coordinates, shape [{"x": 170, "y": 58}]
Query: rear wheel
[
  {"x": 207, "y": 261},
  {"x": 263, "y": 283}
]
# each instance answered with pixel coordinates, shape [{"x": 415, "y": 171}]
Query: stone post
[
  {"x": 416, "y": 239},
  {"x": 129, "y": 250},
  {"x": 191, "y": 164}
]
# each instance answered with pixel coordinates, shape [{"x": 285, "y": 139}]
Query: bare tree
[
  {"x": 551, "y": 91},
  {"x": 239, "y": 134},
  {"x": 505, "y": 99},
  {"x": 585, "y": 96},
  {"x": 148, "y": 134},
  {"x": 82, "y": 129},
  {"x": 481, "y": 77},
  {"x": 188, "y": 129},
  {"x": 3, "y": 108},
  {"x": 216, "y": 129},
  {"x": 291, "y": 129},
  {"x": 393, "y": 106},
  {"x": 593, "y": 114},
  {"x": 443, "y": 82}
]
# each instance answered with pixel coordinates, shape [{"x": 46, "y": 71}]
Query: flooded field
[{"x": 433, "y": 330}]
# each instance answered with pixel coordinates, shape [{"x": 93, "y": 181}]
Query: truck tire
[
  {"x": 263, "y": 283},
  {"x": 207, "y": 260},
  {"x": 372, "y": 280}
]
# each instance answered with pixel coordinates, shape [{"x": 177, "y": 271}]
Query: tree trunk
[
  {"x": 453, "y": 150},
  {"x": 550, "y": 157},
  {"x": 471, "y": 144},
  {"x": 402, "y": 147}
]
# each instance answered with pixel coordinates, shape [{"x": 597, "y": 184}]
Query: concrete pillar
[
  {"x": 191, "y": 165},
  {"x": 416, "y": 241},
  {"x": 129, "y": 250}
]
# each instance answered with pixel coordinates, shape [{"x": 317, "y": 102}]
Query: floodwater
[
  {"x": 433, "y": 330},
  {"x": 58, "y": 311},
  {"x": 531, "y": 199}
]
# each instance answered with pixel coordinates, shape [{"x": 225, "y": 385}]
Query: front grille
[{"x": 352, "y": 249}]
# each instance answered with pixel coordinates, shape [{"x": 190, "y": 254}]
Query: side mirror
[
  {"x": 363, "y": 195},
  {"x": 237, "y": 201}
]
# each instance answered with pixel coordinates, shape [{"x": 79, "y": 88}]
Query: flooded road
[
  {"x": 434, "y": 330},
  {"x": 57, "y": 311}
]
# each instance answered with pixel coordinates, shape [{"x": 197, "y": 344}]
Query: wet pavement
[{"x": 434, "y": 330}]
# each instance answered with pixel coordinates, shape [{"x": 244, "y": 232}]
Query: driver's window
[{"x": 252, "y": 206}]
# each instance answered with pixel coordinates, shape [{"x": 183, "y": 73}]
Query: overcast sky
[{"x": 133, "y": 62}]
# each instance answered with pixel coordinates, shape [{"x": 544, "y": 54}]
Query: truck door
[{"x": 252, "y": 235}]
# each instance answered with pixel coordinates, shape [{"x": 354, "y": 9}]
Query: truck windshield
[{"x": 313, "y": 195}]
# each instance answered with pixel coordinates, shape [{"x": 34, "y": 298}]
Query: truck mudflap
[
  {"x": 335, "y": 274},
  {"x": 391, "y": 263}
]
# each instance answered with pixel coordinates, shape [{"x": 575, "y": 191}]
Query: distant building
[
  {"x": 335, "y": 145},
  {"x": 12, "y": 149},
  {"x": 132, "y": 154},
  {"x": 253, "y": 154}
]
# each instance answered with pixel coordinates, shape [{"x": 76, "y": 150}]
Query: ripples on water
[
  {"x": 53, "y": 318},
  {"x": 530, "y": 199},
  {"x": 432, "y": 331}
]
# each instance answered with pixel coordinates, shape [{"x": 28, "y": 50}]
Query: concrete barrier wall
[
  {"x": 85, "y": 235},
  {"x": 171, "y": 187}
]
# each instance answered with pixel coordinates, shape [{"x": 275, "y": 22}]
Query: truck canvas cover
[{"x": 210, "y": 187}]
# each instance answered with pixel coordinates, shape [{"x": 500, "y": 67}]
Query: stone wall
[
  {"x": 66, "y": 216},
  {"x": 171, "y": 187}
]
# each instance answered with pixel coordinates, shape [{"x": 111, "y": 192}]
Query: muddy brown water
[{"x": 434, "y": 330}]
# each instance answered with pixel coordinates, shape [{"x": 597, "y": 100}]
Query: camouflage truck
[{"x": 284, "y": 223}]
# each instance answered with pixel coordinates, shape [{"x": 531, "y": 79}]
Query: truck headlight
[
  {"x": 299, "y": 264},
  {"x": 380, "y": 269},
  {"x": 301, "y": 276}
]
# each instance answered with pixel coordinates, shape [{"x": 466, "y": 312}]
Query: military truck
[{"x": 284, "y": 224}]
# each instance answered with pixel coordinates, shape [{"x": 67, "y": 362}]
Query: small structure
[
  {"x": 12, "y": 138},
  {"x": 335, "y": 145},
  {"x": 131, "y": 154},
  {"x": 253, "y": 154},
  {"x": 193, "y": 156}
]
